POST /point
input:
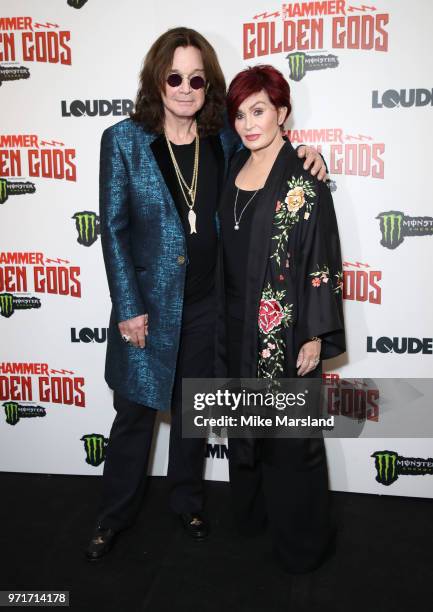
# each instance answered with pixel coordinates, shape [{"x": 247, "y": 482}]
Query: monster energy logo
[
  {"x": 386, "y": 466},
  {"x": 77, "y": 3},
  {"x": 87, "y": 225},
  {"x": 3, "y": 191},
  {"x": 6, "y": 304},
  {"x": 296, "y": 65},
  {"x": 395, "y": 226},
  {"x": 94, "y": 445},
  {"x": 9, "y": 303},
  {"x": 16, "y": 188},
  {"x": 300, "y": 63},
  {"x": 14, "y": 412},
  {"x": 13, "y": 73},
  {"x": 389, "y": 466}
]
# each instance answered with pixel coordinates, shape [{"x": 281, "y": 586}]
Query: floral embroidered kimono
[
  {"x": 285, "y": 273},
  {"x": 293, "y": 279}
]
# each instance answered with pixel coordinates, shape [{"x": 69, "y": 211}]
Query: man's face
[{"x": 183, "y": 101}]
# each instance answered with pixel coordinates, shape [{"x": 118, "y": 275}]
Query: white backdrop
[{"x": 370, "y": 112}]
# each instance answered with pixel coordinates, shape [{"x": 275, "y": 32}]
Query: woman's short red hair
[{"x": 251, "y": 81}]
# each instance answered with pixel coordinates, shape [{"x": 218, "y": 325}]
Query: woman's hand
[
  {"x": 308, "y": 357},
  {"x": 314, "y": 159},
  {"x": 135, "y": 330}
]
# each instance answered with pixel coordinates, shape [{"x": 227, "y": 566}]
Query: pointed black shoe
[
  {"x": 100, "y": 544},
  {"x": 195, "y": 525}
]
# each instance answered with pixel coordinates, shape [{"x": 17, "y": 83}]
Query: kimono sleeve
[
  {"x": 319, "y": 278},
  {"x": 114, "y": 220}
]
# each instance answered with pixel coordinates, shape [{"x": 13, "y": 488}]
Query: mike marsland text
[{"x": 259, "y": 421}]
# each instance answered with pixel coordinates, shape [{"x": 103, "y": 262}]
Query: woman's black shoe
[
  {"x": 195, "y": 525},
  {"x": 100, "y": 544}
]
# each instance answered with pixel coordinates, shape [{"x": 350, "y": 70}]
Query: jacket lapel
[
  {"x": 162, "y": 157},
  {"x": 258, "y": 255}
]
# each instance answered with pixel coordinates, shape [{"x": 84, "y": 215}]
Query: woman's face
[
  {"x": 183, "y": 101},
  {"x": 258, "y": 121}
]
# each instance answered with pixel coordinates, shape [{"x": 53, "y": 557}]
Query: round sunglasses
[{"x": 175, "y": 79}]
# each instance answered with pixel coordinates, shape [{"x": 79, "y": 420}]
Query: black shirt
[
  {"x": 202, "y": 246},
  {"x": 236, "y": 245}
]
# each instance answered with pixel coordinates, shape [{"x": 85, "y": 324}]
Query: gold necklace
[{"x": 191, "y": 189}]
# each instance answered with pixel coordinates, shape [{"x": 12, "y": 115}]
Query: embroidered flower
[
  {"x": 274, "y": 315},
  {"x": 281, "y": 277},
  {"x": 321, "y": 275},
  {"x": 300, "y": 194},
  {"x": 295, "y": 199},
  {"x": 270, "y": 315}
]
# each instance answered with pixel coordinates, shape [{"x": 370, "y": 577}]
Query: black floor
[{"x": 384, "y": 559}]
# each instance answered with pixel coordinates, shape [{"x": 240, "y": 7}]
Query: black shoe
[
  {"x": 100, "y": 544},
  {"x": 195, "y": 525}
]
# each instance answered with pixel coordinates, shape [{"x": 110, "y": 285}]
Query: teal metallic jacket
[{"x": 145, "y": 258}]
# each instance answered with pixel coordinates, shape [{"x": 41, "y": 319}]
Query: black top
[
  {"x": 202, "y": 246},
  {"x": 236, "y": 245}
]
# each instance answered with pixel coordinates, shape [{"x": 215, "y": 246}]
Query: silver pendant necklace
[{"x": 237, "y": 221}]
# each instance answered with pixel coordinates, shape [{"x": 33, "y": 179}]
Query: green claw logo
[
  {"x": 77, "y": 3},
  {"x": 11, "y": 411},
  {"x": 94, "y": 445},
  {"x": 3, "y": 190},
  {"x": 391, "y": 226},
  {"x": 87, "y": 226},
  {"x": 296, "y": 65},
  {"x": 6, "y": 304},
  {"x": 386, "y": 466}
]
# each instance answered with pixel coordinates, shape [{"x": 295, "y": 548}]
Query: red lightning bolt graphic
[
  {"x": 61, "y": 372},
  {"x": 363, "y": 8},
  {"x": 57, "y": 260},
  {"x": 46, "y": 25},
  {"x": 53, "y": 143},
  {"x": 266, "y": 15},
  {"x": 359, "y": 137},
  {"x": 357, "y": 264}
]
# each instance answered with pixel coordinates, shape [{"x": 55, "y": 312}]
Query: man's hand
[
  {"x": 308, "y": 357},
  {"x": 314, "y": 159},
  {"x": 136, "y": 329}
]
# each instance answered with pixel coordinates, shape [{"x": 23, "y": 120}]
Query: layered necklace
[{"x": 188, "y": 191}]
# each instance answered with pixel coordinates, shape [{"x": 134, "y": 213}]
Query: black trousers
[
  {"x": 287, "y": 487},
  {"x": 127, "y": 454}
]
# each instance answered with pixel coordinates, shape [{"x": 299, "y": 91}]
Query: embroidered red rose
[{"x": 270, "y": 315}]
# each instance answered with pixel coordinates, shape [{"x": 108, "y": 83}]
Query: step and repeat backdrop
[{"x": 361, "y": 81}]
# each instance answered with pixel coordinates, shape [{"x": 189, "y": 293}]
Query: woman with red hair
[{"x": 283, "y": 312}]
